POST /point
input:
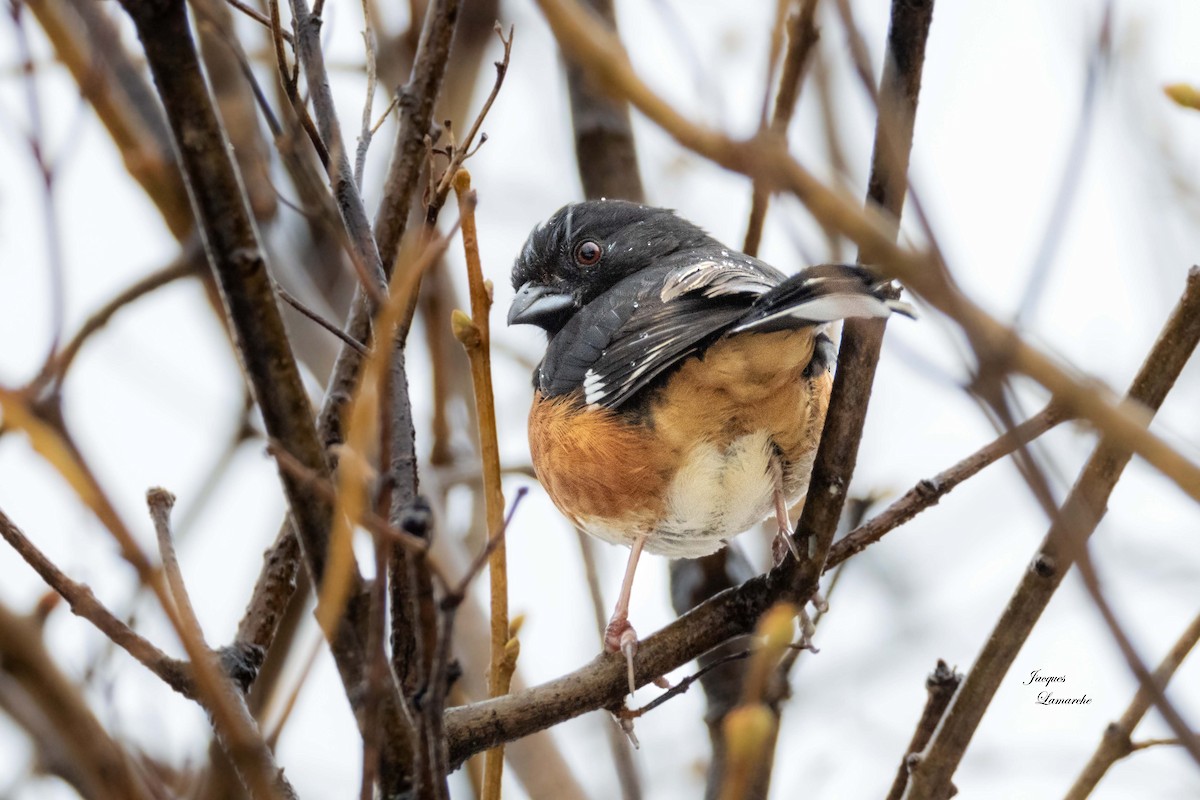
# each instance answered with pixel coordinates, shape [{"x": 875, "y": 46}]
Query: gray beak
[{"x": 539, "y": 305}]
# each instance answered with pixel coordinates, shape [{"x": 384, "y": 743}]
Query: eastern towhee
[{"x": 685, "y": 384}]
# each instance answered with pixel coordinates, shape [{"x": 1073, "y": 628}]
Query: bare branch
[
  {"x": 81, "y": 752},
  {"x": 84, "y": 604},
  {"x": 941, "y": 685},
  {"x": 928, "y": 492},
  {"x": 862, "y": 339},
  {"x": 604, "y": 147},
  {"x": 1077, "y": 519},
  {"x": 184, "y": 266},
  {"x": 1116, "y": 743},
  {"x": 802, "y": 37}
]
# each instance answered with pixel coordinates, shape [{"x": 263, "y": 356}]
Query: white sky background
[{"x": 152, "y": 399}]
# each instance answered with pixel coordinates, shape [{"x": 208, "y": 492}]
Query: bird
[{"x": 684, "y": 385}]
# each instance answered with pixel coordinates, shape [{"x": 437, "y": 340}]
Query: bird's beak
[{"x": 536, "y": 304}]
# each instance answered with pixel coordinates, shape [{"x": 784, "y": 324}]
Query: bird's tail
[{"x": 822, "y": 294}]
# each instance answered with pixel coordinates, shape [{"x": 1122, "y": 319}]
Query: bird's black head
[{"x": 585, "y": 249}]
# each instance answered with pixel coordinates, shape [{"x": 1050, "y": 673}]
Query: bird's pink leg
[
  {"x": 620, "y": 636},
  {"x": 784, "y": 537}
]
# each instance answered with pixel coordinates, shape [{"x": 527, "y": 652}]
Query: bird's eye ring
[{"x": 587, "y": 253}]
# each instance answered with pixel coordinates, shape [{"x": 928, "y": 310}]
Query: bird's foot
[
  {"x": 620, "y": 637},
  {"x": 783, "y": 543}
]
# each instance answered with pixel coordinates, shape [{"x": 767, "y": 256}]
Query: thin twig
[
  {"x": 802, "y": 38},
  {"x": 295, "y": 303},
  {"x": 1115, "y": 744},
  {"x": 459, "y": 152},
  {"x": 364, "y": 136},
  {"x": 289, "y": 705},
  {"x": 1072, "y": 173},
  {"x": 417, "y": 99},
  {"x": 260, "y": 18},
  {"x": 364, "y": 253},
  {"x": 83, "y": 603},
  {"x": 35, "y": 136},
  {"x": 475, "y": 335},
  {"x": 288, "y": 81},
  {"x": 160, "y": 502},
  {"x": 928, "y": 492},
  {"x": 183, "y": 266},
  {"x": 684, "y": 684}
]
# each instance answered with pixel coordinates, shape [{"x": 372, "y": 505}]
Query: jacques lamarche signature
[{"x": 1046, "y": 697}]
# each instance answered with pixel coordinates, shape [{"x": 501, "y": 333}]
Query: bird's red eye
[{"x": 588, "y": 253}]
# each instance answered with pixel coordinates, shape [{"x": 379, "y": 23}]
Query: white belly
[{"x": 716, "y": 495}]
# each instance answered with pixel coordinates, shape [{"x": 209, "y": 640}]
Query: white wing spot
[{"x": 593, "y": 387}]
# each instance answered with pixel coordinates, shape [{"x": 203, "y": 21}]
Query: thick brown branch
[
  {"x": 604, "y": 146},
  {"x": 862, "y": 339},
  {"x": 236, "y": 256},
  {"x": 941, "y": 685}
]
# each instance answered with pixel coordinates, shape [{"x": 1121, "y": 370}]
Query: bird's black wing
[{"x": 645, "y": 324}]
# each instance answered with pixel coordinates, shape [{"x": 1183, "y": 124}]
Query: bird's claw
[
  {"x": 783, "y": 542},
  {"x": 620, "y": 637}
]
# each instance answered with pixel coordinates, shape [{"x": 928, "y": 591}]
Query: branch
[
  {"x": 928, "y": 492},
  {"x": 81, "y": 751},
  {"x": 802, "y": 37},
  {"x": 417, "y": 99},
  {"x": 88, "y": 43},
  {"x": 187, "y": 264},
  {"x": 1116, "y": 743},
  {"x": 243, "y": 741},
  {"x": 235, "y": 253},
  {"x": 1081, "y": 512},
  {"x": 341, "y": 173},
  {"x": 213, "y": 689},
  {"x": 475, "y": 335},
  {"x": 604, "y": 146},
  {"x": 862, "y": 339},
  {"x": 83, "y": 603},
  {"x": 941, "y": 685},
  {"x": 689, "y": 636}
]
